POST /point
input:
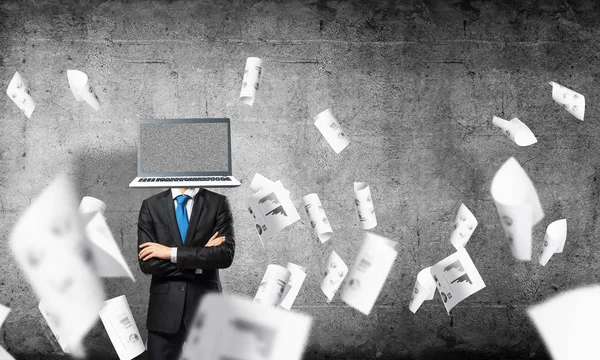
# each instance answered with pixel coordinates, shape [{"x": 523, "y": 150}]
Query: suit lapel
[
  {"x": 169, "y": 208},
  {"x": 199, "y": 201}
]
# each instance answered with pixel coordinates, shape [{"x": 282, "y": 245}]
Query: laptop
[{"x": 184, "y": 153}]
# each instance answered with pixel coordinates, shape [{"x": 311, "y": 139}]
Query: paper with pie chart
[
  {"x": 19, "y": 93},
  {"x": 364, "y": 205},
  {"x": 331, "y": 130},
  {"x": 456, "y": 278},
  {"x": 516, "y": 131},
  {"x": 121, "y": 328},
  {"x": 518, "y": 206},
  {"x": 250, "y": 80},
  {"x": 424, "y": 289},
  {"x": 334, "y": 275},
  {"x": 554, "y": 240},
  {"x": 316, "y": 216},
  {"x": 81, "y": 88},
  {"x": 369, "y": 272},
  {"x": 464, "y": 225},
  {"x": 570, "y": 100}
]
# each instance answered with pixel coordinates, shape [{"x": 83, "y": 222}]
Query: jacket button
[{"x": 182, "y": 288}]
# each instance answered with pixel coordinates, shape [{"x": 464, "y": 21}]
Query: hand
[
  {"x": 215, "y": 241},
  {"x": 154, "y": 250}
]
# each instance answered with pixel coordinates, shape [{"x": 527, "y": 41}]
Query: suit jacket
[{"x": 175, "y": 289}]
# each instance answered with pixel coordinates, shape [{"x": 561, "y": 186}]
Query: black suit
[{"x": 175, "y": 289}]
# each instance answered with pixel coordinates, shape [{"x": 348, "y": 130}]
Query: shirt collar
[{"x": 191, "y": 192}]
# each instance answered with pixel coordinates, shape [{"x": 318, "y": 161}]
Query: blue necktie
[{"x": 181, "y": 215}]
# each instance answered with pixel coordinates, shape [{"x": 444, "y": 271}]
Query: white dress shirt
[{"x": 189, "y": 205}]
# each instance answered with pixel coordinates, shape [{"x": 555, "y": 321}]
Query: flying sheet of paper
[
  {"x": 516, "y": 131},
  {"x": 568, "y": 323},
  {"x": 272, "y": 210},
  {"x": 554, "y": 241},
  {"x": 81, "y": 88},
  {"x": 334, "y": 275},
  {"x": 57, "y": 261},
  {"x": 364, "y": 205},
  {"x": 369, "y": 272},
  {"x": 464, "y": 225},
  {"x": 19, "y": 93},
  {"x": 4, "y": 355},
  {"x": 297, "y": 276},
  {"x": 316, "y": 215},
  {"x": 518, "y": 205},
  {"x": 121, "y": 328},
  {"x": 272, "y": 286},
  {"x": 456, "y": 278},
  {"x": 250, "y": 81},
  {"x": 331, "y": 130},
  {"x": 51, "y": 320},
  {"x": 231, "y": 327},
  {"x": 108, "y": 260},
  {"x": 572, "y": 101},
  {"x": 89, "y": 206},
  {"x": 260, "y": 182},
  {"x": 424, "y": 289}
]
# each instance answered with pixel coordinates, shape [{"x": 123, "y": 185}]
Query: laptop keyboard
[{"x": 169, "y": 179}]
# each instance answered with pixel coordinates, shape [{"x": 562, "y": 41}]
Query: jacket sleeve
[
  {"x": 154, "y": 266},
  {"x": 214, "y": 257}
]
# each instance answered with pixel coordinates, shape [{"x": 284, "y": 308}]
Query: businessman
[{"x": 184, "y": 237}]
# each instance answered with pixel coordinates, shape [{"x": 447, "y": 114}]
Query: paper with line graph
[
  {"x": 272, "y": 210},
  {"x": 456, "y": 278},
  {"x": 570, "y": 100},
  {"x": 19, "y": 93},
  {"x": 121, "y": 328}
]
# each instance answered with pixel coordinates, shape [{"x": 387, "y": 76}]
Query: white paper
[
  {"x": 19, "y": 93},
  {"x": 464, "y": 225},
  {"x": 48, "y": 244},
  {"x": 250, "y": 81},
  {"x": 518, "y": 206},
  {"x": 81, "y": 88},
  {"x": 297, "y": 276},
  {"x": 554, "y": 241},
  {"x": 369, "y": 272},
  {"x": 334, "y": 275},
  {"x": 424, "y": 289},
  {"x": 4, "y": 355},
  {"x": 231, "y": 327},
  {"x": 91, "y": 205},
  {"x": 121, "y": 328},
  {"x": 516, "y": 131},
  {"x": 272, "y": 210},
  {"x": 272, "y": 286},
  {"x": 570, "y": 100},
  {"x": 260, "y": 182},
  {"x": 456, "y": 278},
  {"x": 317, "y": 218},
  {"x": 52, "y": 322},
  {"x": 568, "y": 323},
  {"x": 108, "y": 260},
  {"x": 331, "y": 130},
  {"x": 364, "y": 205}
]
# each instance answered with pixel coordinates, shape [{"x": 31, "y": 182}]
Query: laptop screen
[{"x": 184, "y": 147}]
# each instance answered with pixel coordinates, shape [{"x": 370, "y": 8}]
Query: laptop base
[{"x": 179, "y": 182}]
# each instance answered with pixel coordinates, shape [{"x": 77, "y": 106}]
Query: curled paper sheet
[
  {"x": 57, "y": 260},
  {"x": 272, "y": 211},
  {"x": 316, "y": 215},
  {"x": 572, "y": 101},
  {"x": 75, "y": 349},
  {"x": 231, "y": 327},
  {"x": 424, "y": 289},
  {"x": 568, "y": 323},
  {"x": 364, "y": 205},
  {"x": 518, "y": 205},
  {"x": 554, "y": 241},
  {"x": 250, "y": 80},
  {"x": 260, "y": 182},
  {"x": 331, "y": 130},
  {"x": 293, "y": 285},
  {"x": 272, "y": 286},
  {"x": 89, "y": 206},
  {"x": 456, "y": 278},
  {"x": 4, "y": 355},
  {"x": 369, "y": 272},
  {"x": 464, "y": 225},
  {"x": 19, "y": 93},
  {"x": 121, "y": 328},
  {"x": 516, "y": 131},
  {"x": 81, "y": 88},
  {"x": 334, "y": 275}
]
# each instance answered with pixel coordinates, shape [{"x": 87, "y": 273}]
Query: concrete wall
[{"x": 415, "y": 84}]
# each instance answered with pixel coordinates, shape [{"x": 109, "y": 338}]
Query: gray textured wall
[{"x": 415, "y": 84}]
